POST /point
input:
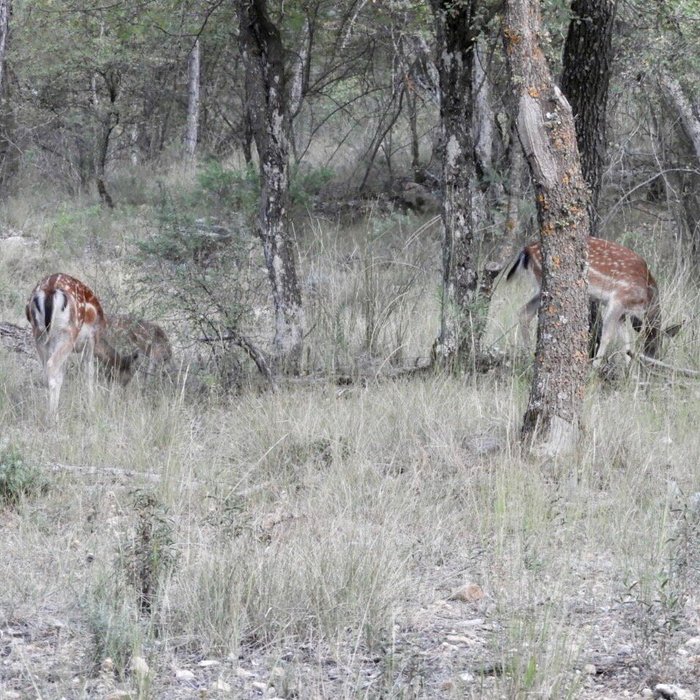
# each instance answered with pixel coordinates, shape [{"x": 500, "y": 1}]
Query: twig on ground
[
  {"x": 147, "y": 476},
  {"x": 651, "y": 362}
]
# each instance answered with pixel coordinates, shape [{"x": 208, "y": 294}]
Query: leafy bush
[
  {"x": 238, "y": 191},
  {"x": 150, "y": 553},
  {"x": 18, "y": 480},
  {"x": 307, "y": 184},
  {"x": 228, "y": 191},
  {"x": 209, "y": 271}
]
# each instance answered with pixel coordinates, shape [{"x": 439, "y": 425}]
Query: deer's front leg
[
  {"x": 611, "y": 322},
  {"x": 55, "y": 368}
]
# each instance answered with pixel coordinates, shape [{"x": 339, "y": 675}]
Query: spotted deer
[
  {"x": 144, "y": 337},
  {"x": 66, "y": 317},
  {"x": 619, "y": 279}
]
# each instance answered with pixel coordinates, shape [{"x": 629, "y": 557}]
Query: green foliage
[
  {"x": 149, "y": 554},
  {"x": 72, "y": 227},
  {"x": 18, "y": 480},
  {"x": 229, "y": 190},
  {"x": 238, "y": 190},
  {"x": 307, "y": 183},
  {"x": 192, "y": 260}
]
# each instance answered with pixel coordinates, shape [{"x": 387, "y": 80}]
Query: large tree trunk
[
  {"x": 192, "y": 133},
  {"x": 585, "y": 80},
  {"x": 546, "y": 130},
  {"x": 456, "y": 39},
  {"x": 263, "y": 58},
  {"x": 587, "y": 59}
]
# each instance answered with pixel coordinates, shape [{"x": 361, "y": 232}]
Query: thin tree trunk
[
  {"x": 687, "y": 184},
  {"x": 193, "y": 71},
  {"x": 8, "y": 151},
  {"x": 263, "y": 58},
  {"x": 412, "y": 105},
  {"x": 107, "y": 119},
  {"x": 546, "y": 130},
  {"x": 455, "y": 59},
  {"x": 673, "y": 92}
]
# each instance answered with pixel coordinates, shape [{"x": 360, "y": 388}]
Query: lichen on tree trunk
[
  {"x": 546, "y": 130},
  {"x": 456, "y": 40},
  {"x": 268, "y": 106}
]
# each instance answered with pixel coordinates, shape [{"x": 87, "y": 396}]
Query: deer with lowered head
[
  {"x": 620, "y": 280},
  {"x": 146, "y": 337},
  {"x": 66, "y": 317}
]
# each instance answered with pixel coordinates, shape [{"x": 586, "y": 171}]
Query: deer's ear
[{"x": 673, "y": 330}]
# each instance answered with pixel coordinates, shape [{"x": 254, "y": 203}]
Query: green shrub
[
  {"x": 227, "y": 191},
  {"x": 18, "y": 480}
]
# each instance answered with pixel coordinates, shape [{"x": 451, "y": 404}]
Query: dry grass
[{"x": 309, "y": 541}]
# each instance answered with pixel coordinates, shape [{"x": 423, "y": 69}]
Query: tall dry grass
[{"x": 310, "y": 540}]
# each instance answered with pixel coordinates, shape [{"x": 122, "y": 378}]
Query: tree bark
[
  {"x": 8, "y": 150},
  {"x": 587, "y": 59},
  {"x": 585, "y": 81},
  {"x": 687, "y": 184},
  {"x": 673, "y": 92},
  {"x": 192, "y": 133},
  {"x": 456, "y": 39},
  {"x": 546, "y": 129},
  {"x": 107, "y": 116},
  {"x": 263, "y": 57}
]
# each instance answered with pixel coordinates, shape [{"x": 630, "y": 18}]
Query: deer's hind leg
[{"x": 527, "y": 313}]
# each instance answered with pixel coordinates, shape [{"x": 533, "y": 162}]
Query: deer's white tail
[{"x": 50, "y": 312}]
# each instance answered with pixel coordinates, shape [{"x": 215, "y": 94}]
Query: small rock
[
  {"x": 244, "y": 673},
  {"x": 694, "y": 502},
  {"x": 139, "y": 666},
  {"x": 208, "y": 663},
  {"x": 221, "y": 685},
  {"x": 459, "y": 639},
  {"x": 668, "y": 691},
  {"x": 590, "y": 669},
  {"x": 182, "y": 674},
  {"x": 483, "y": 444},
  {"x": 466, "y": 677},
  {"x": 469, "y": 593},
  {"x": 476, "y": 622},
  {"x": 693, "y": 643},
  {"x": 12, "y": 695},
  {"x": 259, "y": 686},
  {"x": 116, "y": 695},
  {"x": 647, "y": 693}
]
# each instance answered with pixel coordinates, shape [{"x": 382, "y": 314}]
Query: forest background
[{"x": 327, "y": 496}]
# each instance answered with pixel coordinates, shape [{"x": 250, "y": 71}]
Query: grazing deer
[
  {"x": 146, "y": 338},
  {"x": 66, "y": 316},
  {"x": 619, "y": 279}
]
